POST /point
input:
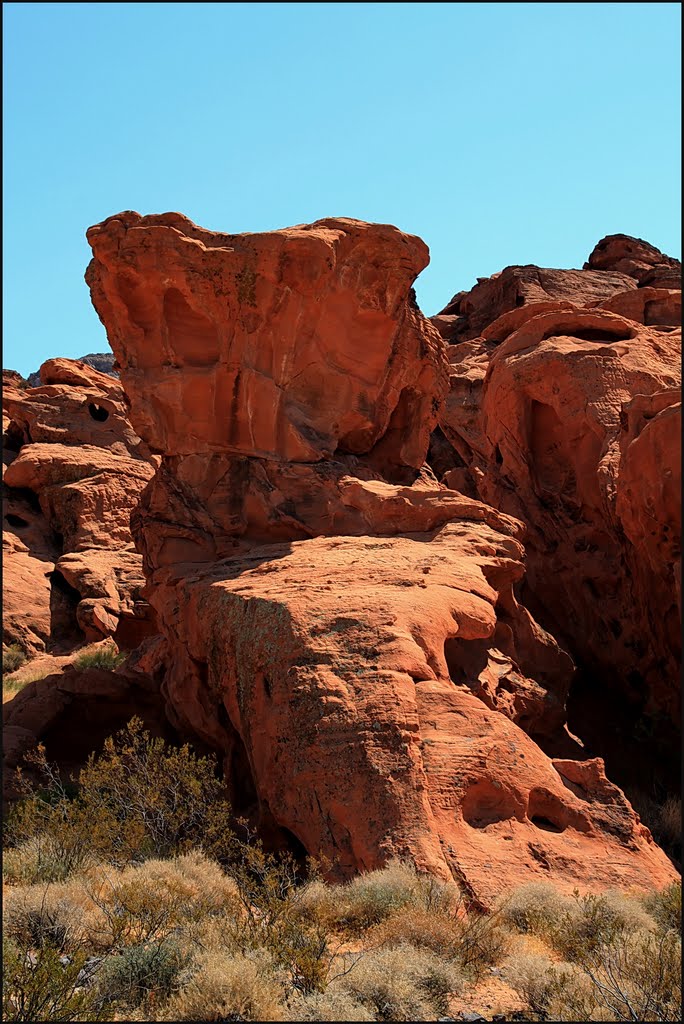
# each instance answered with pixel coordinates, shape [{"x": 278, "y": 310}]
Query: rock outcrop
[
  {"x": 102, "y": 361},
  {"x": 567, "y": 416},
  {"x": 73, "y": 469},
  {"x": 341, "y": 627}
]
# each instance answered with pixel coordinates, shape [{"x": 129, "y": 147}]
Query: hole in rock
[
  {"x": 545, "y": 823},
  {"x": 17, "y": 521},
  {"x": 64, "y": 600},
  {"x": 466, "y": 659},
  {"x": 547, "y": 812},
  {"x": 97, "y": 412},
  {"x": 486, "y": 803},
  {"x": 29, "y": 497},
  {"x": 602, "y": 335}
]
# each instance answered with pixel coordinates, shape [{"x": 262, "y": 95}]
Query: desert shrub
[
  {"x": 637, "y": 976},
  {"x": 46, "y": 986},
  {"x": 474, "y": 941},
  {"x": 593, "y": 922},
  {"x": 534, "y": 908},
  {"x": 226, "y": 987},
  {"x": 144, "y": 902},
  {"x": 42, "y": 858},
  {"x": 139, "y": 798},
  {"x": 12, "y": 658},
  {"x": 370, "y": 898},
  {"x": 140, "y": 971},
  {"x": 36, "y": 916},
  {"x": 551, "y": 991},
  {"x": 270, "y": 891},
  {"x": 333, "y": 1005},
  {"x": 665, "y": 906},
  {"x": 401, "y": 983},
  {"x": 321, "y": 903},
  {"x": 104, "y": 656}
]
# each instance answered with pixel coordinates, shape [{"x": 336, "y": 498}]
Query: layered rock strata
[{"x": 341, "y": 627}]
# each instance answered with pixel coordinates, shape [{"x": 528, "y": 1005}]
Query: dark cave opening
[
  {"x": 64, "y": 600},
  {"x": 98, "y": 412}
]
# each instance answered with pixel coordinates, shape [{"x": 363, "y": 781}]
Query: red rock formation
[
  {"x": 639, "y": 259},
  {"x": 341, "y": 627},
  {"x": 74, "y": 470},
  {"x": 470, "y": 313},
  {"x": 291, "y": 345},
  {"x": 569, "y": 419}
]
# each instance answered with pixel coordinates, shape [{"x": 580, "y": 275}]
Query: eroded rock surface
[
  {"x": 73, "y": 469},
  {"x": 568, "y": 417},
  {"x": 343, "y": 628}
]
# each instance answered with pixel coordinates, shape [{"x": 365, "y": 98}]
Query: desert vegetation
[{"x": 133, "y": 894}]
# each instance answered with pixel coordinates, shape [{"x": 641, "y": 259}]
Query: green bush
[
  {"x": 140, "y": 971},
  {"x": 12, "y": 658},
  {"x": 139, "y": 798},
  {"x": 44, "y": 986}
]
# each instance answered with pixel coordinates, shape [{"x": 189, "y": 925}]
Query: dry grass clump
[
  {"x": 534, "y": 908},
  {"x": 402, "y": 983},
  {"x": 225, "y": 986},
  {"x": 474, "y": 942},
  {"x": 105, "y": 656},
  {"x": 12, "y": 658},
  {"x": 665, "y": 906},
  {"x": 619, "y": 963},
  {"x": 39, "y": 915},
  {"x": 43, "y": 858},
  {"x": 551, "y": 991},
  {"x": 144, "y": 902},
  {"x": 372, "y": 897},
  {"x": 334, "y": 1005}
]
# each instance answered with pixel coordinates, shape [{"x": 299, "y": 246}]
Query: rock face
[
  {"x": 73, "y": 470},
  {"x": 292, "y": 345},
  {"x": 341, "y": 627},
  {"x": 568, "y": 416}
]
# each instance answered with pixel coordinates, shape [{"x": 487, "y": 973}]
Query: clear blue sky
[{"x": 499, "y": 133}]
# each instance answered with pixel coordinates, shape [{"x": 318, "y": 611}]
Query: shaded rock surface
[
  {"x": 568, "y": 417},
  {"x": 72, "y": 712},
  {"x": 344, "y": 629},
  {"x": 73, "y": 469}
]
